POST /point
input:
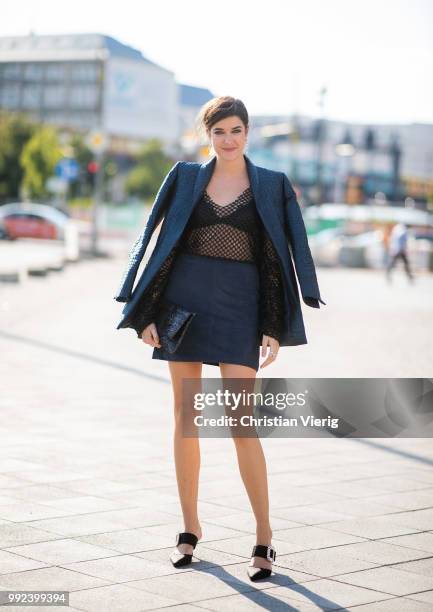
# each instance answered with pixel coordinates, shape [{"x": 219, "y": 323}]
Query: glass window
[
  {"x": 84, "y": 97},
  {"x": 12, "y": 71},
  {"x": 31, "y": 96},
  {"x": 10, "y": 96},
  {"x": 33, "y": 71},
  {"x": 54, "y": 96},
  {"x": 55, "y": 72},
  {"x": 84, "y": 72}
]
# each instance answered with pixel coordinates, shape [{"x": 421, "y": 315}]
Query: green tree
[
  {"x": 152, "y": 165},
  {"x": 15, "y": 131},
  {"x": 82, "y": 185},
  {"x": 38, "y": 159}
]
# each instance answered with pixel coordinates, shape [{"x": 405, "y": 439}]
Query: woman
[{"x": 221, "y": 256}]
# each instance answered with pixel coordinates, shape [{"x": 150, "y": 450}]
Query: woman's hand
[
  {"x": 149, "y": 335},
  {"x": 274, "y": 345}
]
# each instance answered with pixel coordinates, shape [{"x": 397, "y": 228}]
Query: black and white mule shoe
[
  {"x": 179, "y": 559},
  {"x": 266, "y": 552}
]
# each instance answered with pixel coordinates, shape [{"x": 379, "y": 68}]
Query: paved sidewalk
[{"x": 88, "y": 497}]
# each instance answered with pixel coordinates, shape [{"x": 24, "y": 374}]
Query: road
[{"x": 88, "y": 499}]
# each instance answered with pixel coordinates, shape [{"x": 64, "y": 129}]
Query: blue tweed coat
[{"x": 279, "y": 210}]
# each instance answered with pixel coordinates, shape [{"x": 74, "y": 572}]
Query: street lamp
[
  {"x": 289, "y": 129},
  {"x": 344, "y": 151}
]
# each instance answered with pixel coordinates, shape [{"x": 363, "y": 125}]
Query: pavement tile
[
  {"x": 82, "y": 524},
  {"x": 61, "y": 551},
  {"x": 325, "y": 562},
  {"x": 305, "y": 538},
  {"x": 210, "y": 532},
  {"x": 281, "y": 576},
  {"x": 349, "y": 489},
  {"x": 96, "y": 486},
  {"x": 423, "y": 567},
  {"x": 50, "y": 579},
  {"x": 118, "y": 598},
  {"x": 373, "y": 527},
  {"x": 82, "y": 504},
  {"x": 255, "y": 600},
  {"x": 400, "y": 604},
  {"x": 308, "y": 515},
  {"x": 15, "y": 534},
  {"x": 41, "y": 493},
  {"x": 419, "y": 541},
  {"x": 10, "y": 562},
  {"x": 203, "y": 556},
  {"x": 389, "y": 580},
  {"x": 393, "y": 484},
  {"x": 408, "y": 500},
  {"x": 351, "y": 508},
  {"x": 130, "y": 540},
  {"x": 425, "y": 597},
  {"x": 243, "y": 545},
  {"x": 8, "y": 481},
  {"x": 45, "y": 475},
  {"x": 417, "y": 519},
  {"x": 382, "y": 552},
  {"x": 30, "y": 511},
  {"x": 245, "y": 522},
  {"x": 195, "y": 585},
  {"x": 329, "y": 594},
  {"x": 119, "y": 568},
  {"x": 6, "y": 500}
]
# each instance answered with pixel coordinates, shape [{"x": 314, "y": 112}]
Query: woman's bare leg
[
  {"x": 252, "y": 466},
  {"x": 186, "y": 453}
]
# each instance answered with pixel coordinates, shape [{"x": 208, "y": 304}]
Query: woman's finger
[{"x": 155, "y": 336}]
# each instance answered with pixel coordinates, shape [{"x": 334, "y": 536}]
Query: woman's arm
[
  {"x": 297, "y": 236},
  {"x": 139, "y": 247},
  {"x": 146, "y": 310}
]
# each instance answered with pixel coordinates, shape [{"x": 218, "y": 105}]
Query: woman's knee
[{"x": 183, "y": 393}]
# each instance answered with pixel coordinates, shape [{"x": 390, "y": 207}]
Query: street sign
[
  {"x": 67, "y": 169},
  {"x": 56, "y": 184},
  {"x": 96, "y": 141}
]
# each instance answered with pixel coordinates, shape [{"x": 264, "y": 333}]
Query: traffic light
[{"x": 92, "y": 169}]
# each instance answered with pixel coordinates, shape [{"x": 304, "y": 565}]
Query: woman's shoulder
[
  {"x": 185, "y": 166},
  {"x": 269, "y": 174}
]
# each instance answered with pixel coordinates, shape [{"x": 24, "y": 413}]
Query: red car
[{"x": 30, "y": 220}]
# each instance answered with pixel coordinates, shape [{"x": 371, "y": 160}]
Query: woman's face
[{"x": 228, "y": 137}]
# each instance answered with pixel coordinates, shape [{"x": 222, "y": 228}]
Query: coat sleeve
[
  {"x": 139, "y": 247},
  {"x": 297, "y": 236},
  {"x": 147, "y": 308},
  {"x": 271, "y": 290}
]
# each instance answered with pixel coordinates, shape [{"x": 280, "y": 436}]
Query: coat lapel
[{"x": 205, "y": 174}]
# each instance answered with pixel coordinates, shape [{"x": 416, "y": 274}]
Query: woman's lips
[{"x": 233, "y": 149}]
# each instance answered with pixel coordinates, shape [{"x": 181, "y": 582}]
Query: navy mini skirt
[{"x": 224, "y": 294}]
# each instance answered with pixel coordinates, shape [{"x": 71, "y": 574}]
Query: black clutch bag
[{"x": 172, "y": 322}]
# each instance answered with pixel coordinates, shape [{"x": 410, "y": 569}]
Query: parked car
[
  {"x": 29, "y": 220},
  {"x": 3, "y": 231}
]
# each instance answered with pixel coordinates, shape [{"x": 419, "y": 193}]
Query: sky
[{"x": 375, "y": 57}]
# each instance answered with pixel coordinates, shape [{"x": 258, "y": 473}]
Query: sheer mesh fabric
[{"x": 234, "y": 232}]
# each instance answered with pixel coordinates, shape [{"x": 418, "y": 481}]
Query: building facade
[{"x": 89, "y": 82}]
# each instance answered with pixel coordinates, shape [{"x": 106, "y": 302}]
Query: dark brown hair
[{"x": 219, "y": 108}]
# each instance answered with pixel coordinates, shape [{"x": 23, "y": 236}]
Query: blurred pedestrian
[
  {"x": 386, "y": 232},
  {"x": 398, "y": 250}
]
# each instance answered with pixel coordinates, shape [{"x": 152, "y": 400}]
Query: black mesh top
[{"x": 233, "y": 231}]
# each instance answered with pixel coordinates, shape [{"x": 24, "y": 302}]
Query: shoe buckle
[
  {"x": 177, "y": 538},
  {"x": 270, "y": 554}
]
